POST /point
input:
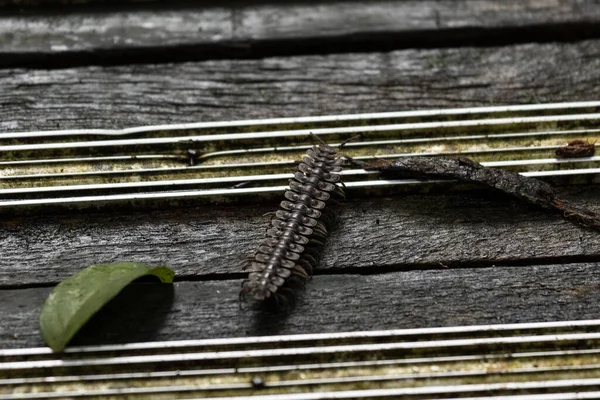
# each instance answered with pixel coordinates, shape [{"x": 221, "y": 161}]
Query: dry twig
[{"x": 466, "y": 170}]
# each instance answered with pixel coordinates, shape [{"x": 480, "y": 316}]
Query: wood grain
[
  {"x": 371, "y": 275},
  {"x": 373, "y": 236},
  {"x": 124, "y": 96},
  {"x": 159, "y": 32},
  {"x": 22, "y": 5},
  {"x": 331, "y": 304}
]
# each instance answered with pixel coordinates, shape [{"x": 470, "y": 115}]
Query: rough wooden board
[
  {"x": 194, "y": 310},
  {"x": 24, "y": 4},
  {"x": 124, "y": 96},
  {"x": 242, "y": 29},
  {"x": 373, "y": 235}
]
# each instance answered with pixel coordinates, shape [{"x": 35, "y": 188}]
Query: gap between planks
[{"x": 361, "y": 271}]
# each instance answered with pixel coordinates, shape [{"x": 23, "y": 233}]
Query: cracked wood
[
  {"x": 118, "y": 97},
  {"x": 414, "y": 299},
  {"x": 374, "y": 235}
]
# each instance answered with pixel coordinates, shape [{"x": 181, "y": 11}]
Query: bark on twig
[{"x": 466, "y": 170}]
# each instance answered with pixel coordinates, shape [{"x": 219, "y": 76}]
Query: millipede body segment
[{"x": 286, "y": 257}]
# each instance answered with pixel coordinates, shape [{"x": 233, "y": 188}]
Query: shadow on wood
[{"x": 134, "y": 315}]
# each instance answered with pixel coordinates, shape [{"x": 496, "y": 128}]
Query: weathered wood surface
[
  {"x": 169, "y": 33},
  {"x": 194, "y": 310},
  {"x": 464, "y": 232},
  {"x": 376, "y": 235},
  {"x": 116, "y": 97},
  {"x": 53, "y": 4}
]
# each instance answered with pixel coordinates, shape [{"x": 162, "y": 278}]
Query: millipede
[{"x": 285, "y": 259}]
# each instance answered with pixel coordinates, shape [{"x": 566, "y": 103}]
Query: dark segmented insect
[{"x": 285, "y": 259}]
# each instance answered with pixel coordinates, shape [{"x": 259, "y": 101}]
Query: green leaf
[{"x": 76, "y": 299}]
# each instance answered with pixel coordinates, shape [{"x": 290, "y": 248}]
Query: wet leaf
[{"x": 76, "y": 299}]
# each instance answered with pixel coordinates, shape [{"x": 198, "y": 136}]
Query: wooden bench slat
[
  {"x": 195, "y": 310},
  {"x": 162, "y": 33},
  {"x": 134, "y": 95},
  {"x": 374, "y": 235}
]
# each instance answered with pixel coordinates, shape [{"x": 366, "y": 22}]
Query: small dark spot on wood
[
  {"x": 576, "y": 149},
  {"x": 436, "y": 17}
]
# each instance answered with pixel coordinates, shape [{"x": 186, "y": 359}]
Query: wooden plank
[
  {"x": 373, "y": 236},
  {"x": 52, "y": 4},
  {"x": 294, "y": 86},
  {"x": 331, "y": 304},
  {"x": 167, "y": 33}
]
